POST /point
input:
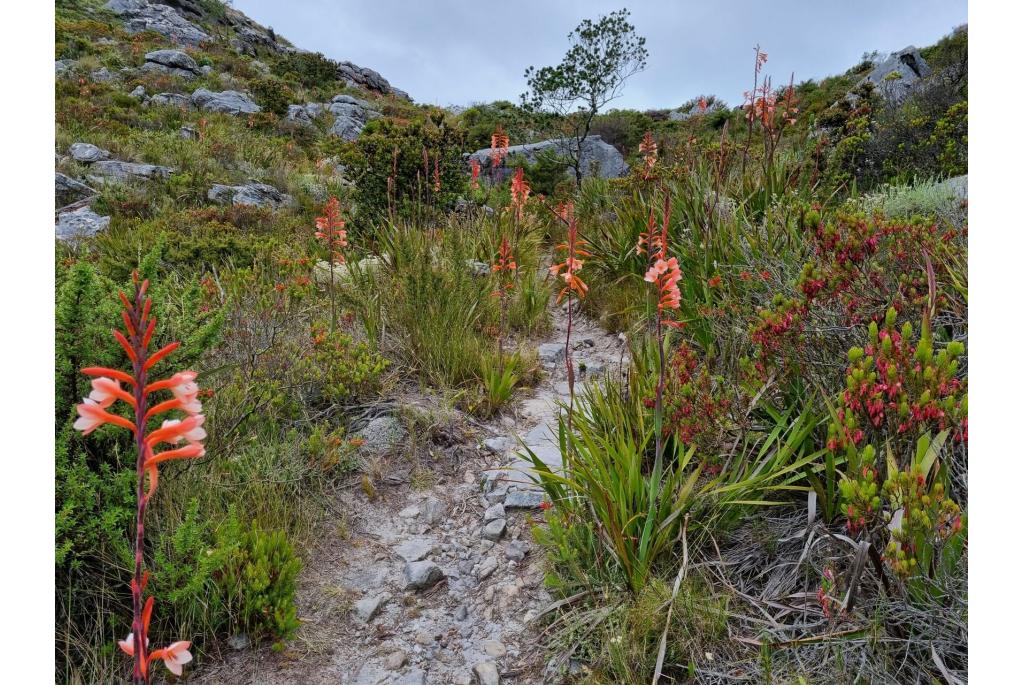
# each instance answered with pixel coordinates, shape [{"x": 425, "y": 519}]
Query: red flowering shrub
[{"x": 694, "y": 406}]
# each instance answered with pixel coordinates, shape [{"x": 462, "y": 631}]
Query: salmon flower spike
[
  {"x": 505, "y": 262},
  {"x": 574, "y": 247},
  {"x": 649, "y": 149},
  {"x": 331, "y": 229},
  {"x": 474, "y": 169},
  {"x": 135, "y": 339},
  {"x": 499, "y": 146},
  {"x": 520, "y": 192}
]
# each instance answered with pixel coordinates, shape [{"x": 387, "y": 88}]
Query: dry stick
[{"x": 675, "y": 591}]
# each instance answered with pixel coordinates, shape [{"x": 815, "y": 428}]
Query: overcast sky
[{"x": 464, "y": 51}]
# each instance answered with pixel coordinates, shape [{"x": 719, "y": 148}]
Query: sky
[{"x": 458, "y": 52}]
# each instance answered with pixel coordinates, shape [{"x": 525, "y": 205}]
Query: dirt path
[{"x": 436, "y": 584}]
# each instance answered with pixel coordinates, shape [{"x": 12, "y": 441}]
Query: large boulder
[
  {"x": 227, "y": 101},
  {"x": 369, "y": 79},
  {"x": 597, "y": 158},
  {"x": 142, "y": 15},
  {"x": 87, "y": 153},
  {"x": 120, "y": 171},
  {"x": 350, "y": 115},
  {"x": 174, "y": 62},
  {"x": 251, "y": 195},
  {"x": 79, "y": 223},
  {"x": 68, "y": 191},
  {"x": 899, "y": 74}
]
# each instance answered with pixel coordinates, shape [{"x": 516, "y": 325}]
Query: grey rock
[
  {"x": 551, "y": 352},
  {"x": 299, "y": 114},
  {"x": 239, "y": 642},
  {"x": 368, "y": 607},
  {"x": 62, "y": 67},
  {"x": 102, "y": 75},
  {"x": 497, "y": 445},
  {"x": 139, "y": 92},
  {"x": 597, "y": 158},
  {"x": 421, "y": 575},
  {"x": 433, "y": 510},
  {"x": 342, "y": 98},
  {"x": 86, "y": 153},
  {"x": 170, "y": 100},
  {"x": 415, "y": 549},
  {"x": 489, "y": 566},
  {"x": 173, "y": 62},
  {"x": 68, "y": 191},
  {"x": 493, "y": 648},
  {"x": 346, "y": 128},
  {"x": 227, "y": 101},
  {"x": 356, "y": 75},
  {"x": 410, "y": 512},
  {"x": 251, "y": 195},
  {"x": 899, "y": 74},
  {"x": 141, "y": 15},
  {"x": 414, "y": 677},
  {"x": 396, "y": 660},
  {"x": 381, "y": 436},
  {"x": 497, "y": 492},
  {"x": 79, "y": 223},
  {"x": 188, "y": 133},
  {"x": 495, "y": 511},
  {"x": 516, "y": 550},
  {"x": 486, "y": 673},
  {"x": 206, "y": 70},
  {"x": 493, "y": 530},
  {"x": 118, "y": 170},
  {"x": 524, "y": 499},
  {"x": 478, "y": 268},
  {"x": 461, "y": 613}
]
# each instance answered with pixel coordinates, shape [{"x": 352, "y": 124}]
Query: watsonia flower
[{"x": 520, "y": 192}]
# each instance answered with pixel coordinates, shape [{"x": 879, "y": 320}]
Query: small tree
[{"x": 603, "y": 54}]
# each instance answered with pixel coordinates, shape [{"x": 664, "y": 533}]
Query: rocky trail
[{"x": 436, "y": 583}]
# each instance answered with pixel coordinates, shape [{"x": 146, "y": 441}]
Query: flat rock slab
[
  {"x": 415, "y": 549},
  {"x": 227, "y": 101},
  {"x": 525, "y": 499},
  {"x": 80, "y": 223},
  {"x": 493, "y": 530},
  {"x": 86, "y": 153},
  {"x": 368, "y": 607},
  {"x": 124, "y": 171}
]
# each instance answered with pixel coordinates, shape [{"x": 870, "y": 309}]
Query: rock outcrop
[
  {"x": 87, "y": 153},
  {"x": 142, "y": 15},
  {"x": 250, "y": 194},
  {"x": 369, "y": 79},
  {"x": 120, "y": 171},
  {"x": 227, "y": 101},
  {"x": 79, "y": 223},
  {"x": 67, "y": 191},
  {"x": 350, "y": 114},
  {"x": 597, "y": 157},
  {"x": 173, "y": 62},
  {"x": 898, "y": 75}
]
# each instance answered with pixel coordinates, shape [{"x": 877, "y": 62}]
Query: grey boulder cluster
[
  {"x": 350, "y": 115},
  {"x": 102, "y": 168},
  {"x": 141, "y": 15},
  {"x": 597, "y": 158},
  {"x": 369, "y": 79},
  {"x": 227, "y": 101},
  {"x": 898, "y": 75}
]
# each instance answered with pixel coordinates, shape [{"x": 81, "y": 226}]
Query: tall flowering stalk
[
  {"x": 575, "y": 249},
  {"x": 499, "y": 150},
  {"x": 520, "y": 193},
  {"x": 649, "y": 150},
  {"x": 506, "y": 269},
  {"x": 474, "y": 168},
  {"x": 139, "y": 326},
  {"x": 330, "y": 228},
  {"x": 665, "y": 274}
]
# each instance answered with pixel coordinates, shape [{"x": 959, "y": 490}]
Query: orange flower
[
  {"x": 331, "y": 229},
  {"x": 505, "y": 263},
  {"x": 499, "y": 146},
  {"x": 520, "y": 192},
  {"x": 437, "y": 176},
  {"x": 665, "y": 274},
  {"x": 574, "y": 250},
  {"x": 649, "y": 149},
  {"x": 715, "y": 281},
  {"x": 474, "y": 166}
]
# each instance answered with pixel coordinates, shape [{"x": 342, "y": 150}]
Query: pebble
[
  {"x": 420, "y": 575},
  {"x": 495, "y": 511},
  {"x": 486, "y": 673},
  {"x": 368, "y": 607},
  {"x": 414, "y": 549},
  {"x": 489, "y": 566},
  {"x": 396, "y": 660},
  {"x": 516, "y": 550},
  {"x": 524, "y": 499},
  {"x": 493, "y": 648},
  {"x": 494, "y": 529}
]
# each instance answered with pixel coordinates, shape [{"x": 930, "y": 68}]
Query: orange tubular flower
[
  {"x": 505, "y": 263},
  {"x": 139, "y": 327},
  {"x": 474, "y": 167},
  {"x": 520, "y": 192},
  {"x": 665, "y": 274},
  {"x": 649, "y": 149},
  {"x": 574, "y": 251},
  {"x": 499, "y": 146},
  {"x": 331, "y": 229}
]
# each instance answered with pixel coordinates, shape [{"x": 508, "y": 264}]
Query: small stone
[
  {"x": 461, "y": 613},
  {"x": 420, "y": 575},
  {"x": 493, "y": 648},
  {"x": 489, "y": 566},
  {"x": 188, "y": 133},
  {"x": 495, "y": 511},
  {"x": 139, "y": 92},
  {"x": 424, "y": 638},
  {"x": 524, "y": 499},
  {"x": 486, "y": 673},
  {"x": 497, "y": 493},
  {"x": 87, "y": 153},
  {"x": 409, "y": 512},
  {"x": 516, "y": 550},
  {"x": 396, "y": 660},
  {"x": 469, "y": 478},
  {"x": 497, "y": 445},
  {"x": 462, "y": 679},
  {"x": 414, "y": 677},
  {"x": 238, "y": 642},
  {"x": 433, "y": 510},
  {"x": 466, "y": 566},
  {"x": 368, "y": 607},
  {"x": 494, "y": 530},
  {"x": 415, "y": 549},
  {"x": 551, "y": 352}
]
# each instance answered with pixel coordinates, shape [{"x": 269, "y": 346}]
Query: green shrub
[
  {"x": 257, "y": 579},
  {"x": 272, "y": 94}
]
